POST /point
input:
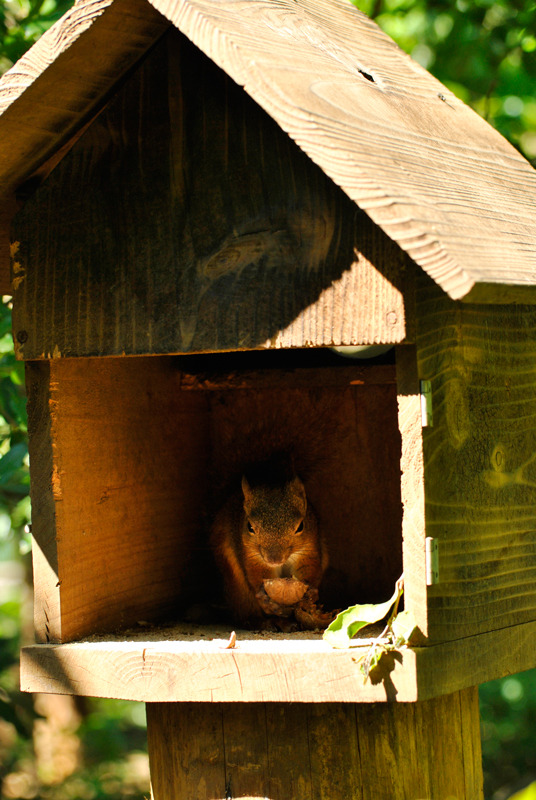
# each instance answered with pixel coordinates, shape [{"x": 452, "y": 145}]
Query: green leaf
[
  {"x": 403, "y": 627},
  {"x": 346, "y": 624}
]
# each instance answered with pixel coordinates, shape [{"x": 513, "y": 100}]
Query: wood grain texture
[
  {"x": 59, "y": 84},
  {"x": 423, "y": 749},
  {"x": 185, "y": 750},
  {"x": 246, "y": 749},
  {"x": 201, "y": 227},
  {"x": 325, "y": 752},
  {"x": 479, "y": 463},
  {"x": 333, "y": 737},
  {"x": 277, "y": 668},
  {"x": 412, "y": 487},
  {"x": 436, "y": 177},
  {"x": 204, "y": 671},
  {"x": 288, "y": 751},
  {"x": 47, "y": 595},
  {"x": 114, "y": 533}
]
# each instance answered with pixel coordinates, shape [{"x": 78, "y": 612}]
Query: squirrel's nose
[{"x": 275, "y": 558}]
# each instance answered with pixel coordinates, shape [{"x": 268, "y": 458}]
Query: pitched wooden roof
[{"x": 438, "y": 179}]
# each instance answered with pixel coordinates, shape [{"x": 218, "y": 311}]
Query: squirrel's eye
[
  {"x": 299, "y": 529},
  {"x": 250, "y": 527}
]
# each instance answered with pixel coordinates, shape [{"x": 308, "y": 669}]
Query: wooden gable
[{"x": 185, "y": 220}]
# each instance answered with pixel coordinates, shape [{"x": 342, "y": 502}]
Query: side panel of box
[
  {"x": 47, "y": 610},
  {"x": 118, "y": 456},
  {"x": 480, "y": 463}
]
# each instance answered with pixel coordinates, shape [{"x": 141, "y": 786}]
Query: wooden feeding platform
[
  {"x": 199, "y": 219},
  {"x": 188, "y": 664}
]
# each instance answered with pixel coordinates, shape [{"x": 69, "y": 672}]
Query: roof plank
[
  {"x": 436, "y": 177},
  {"x": 61, "y": 82}
]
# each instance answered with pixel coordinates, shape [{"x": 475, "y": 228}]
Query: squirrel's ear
[
  {"x": 246, "y": 488},
  {"x": 298, "y": 489}
]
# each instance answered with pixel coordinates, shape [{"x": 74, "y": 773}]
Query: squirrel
[{"x": 267, "y": 530}]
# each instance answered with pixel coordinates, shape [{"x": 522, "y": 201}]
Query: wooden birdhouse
[{"x": 203, "y": 198}]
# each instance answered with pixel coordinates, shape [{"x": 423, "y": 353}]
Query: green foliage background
[{"x": 485, "y": 52}]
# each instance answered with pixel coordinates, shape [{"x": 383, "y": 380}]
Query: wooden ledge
[
  {"x": 260, "y": 668},
  {"x": 197, "y": 667}
]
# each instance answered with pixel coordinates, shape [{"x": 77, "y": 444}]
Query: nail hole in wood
[{"x": 367, "y": 75}]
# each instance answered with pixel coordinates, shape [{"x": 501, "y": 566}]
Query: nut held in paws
[{"x": 285, "y": 591}]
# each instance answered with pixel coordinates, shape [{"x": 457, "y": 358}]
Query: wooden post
[{"x": 428, "y": 750}]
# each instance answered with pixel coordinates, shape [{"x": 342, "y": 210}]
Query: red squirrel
[{"x": 266, "y": 530}]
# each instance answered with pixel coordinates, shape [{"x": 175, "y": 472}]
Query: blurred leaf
[
  {"x": 10, "y": 712},
  {"x": 12, "y": 462},
  {"x": 9, "y": 651},
  {"x": 21, "y": 24}
]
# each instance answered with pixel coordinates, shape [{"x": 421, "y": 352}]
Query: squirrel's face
[{"x": 274, "y": 520}]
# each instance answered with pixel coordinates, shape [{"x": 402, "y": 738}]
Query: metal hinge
[
  {"x": 426, "y": 404},
  {"x": 432, "y": 560}
]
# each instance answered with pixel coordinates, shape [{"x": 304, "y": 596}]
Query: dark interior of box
[{"x": 159, "y": 442}]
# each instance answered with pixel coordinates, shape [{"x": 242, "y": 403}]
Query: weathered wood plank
[
  {"x": 201, "y": 671},
  {"x": 210, "y": 230},
  {"x": 437, "y": 178},
  {"x": 422, "y": 749},
  {"x": 363, "y": 752},
  {"x": 471, "y": 742},
  {"x": 246, "y": 749},
  {"x": 399, "y": 764},
  {"x": 289, "y": 755},
  {"x": 412, "y": 485},
  {"x": 47, "y": 606},
  {"x": 186, "y": 751},
  {"x": 336, "y": 767},
  {"x": 479, "y": 464},
  {"x": 288, "y": 670},
  {"x": 59, "y": 84},
  {"x": 114, "y": 534}
]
